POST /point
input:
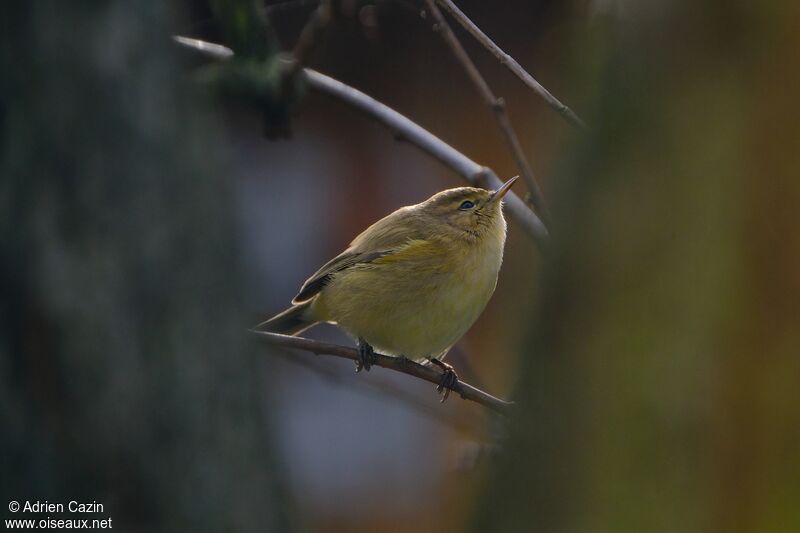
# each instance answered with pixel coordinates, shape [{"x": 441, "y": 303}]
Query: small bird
[{"x": 412, "y": 283}]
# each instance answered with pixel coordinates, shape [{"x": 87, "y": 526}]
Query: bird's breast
[{"x": 417, "y": 307}]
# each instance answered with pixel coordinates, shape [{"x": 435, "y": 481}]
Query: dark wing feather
[
  {"x": 386, "y": 235},
  {"x": 343, "y": 261}
]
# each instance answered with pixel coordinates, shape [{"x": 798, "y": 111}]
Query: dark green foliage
[
  {"x": 262, "y": 85},
  {"x": 247, "y": 32},
  {"x": 257, "y": 75}
]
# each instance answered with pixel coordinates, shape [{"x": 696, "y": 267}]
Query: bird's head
[{"x": 468, "y": 211}]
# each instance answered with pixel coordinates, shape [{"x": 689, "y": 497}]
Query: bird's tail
[{"x": 289, "y": 322}]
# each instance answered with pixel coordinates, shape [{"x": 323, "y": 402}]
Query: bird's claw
[
  {"x": 448, "y": 381},
  {"x": 366, "y": 356}
]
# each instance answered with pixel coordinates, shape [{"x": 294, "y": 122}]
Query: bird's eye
[{"x": 466, "y": 204}]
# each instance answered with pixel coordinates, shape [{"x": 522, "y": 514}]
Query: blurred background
[{"x": 146, "y": 221}]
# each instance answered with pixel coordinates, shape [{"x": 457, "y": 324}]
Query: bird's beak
[{"x": 504, "y": 188}]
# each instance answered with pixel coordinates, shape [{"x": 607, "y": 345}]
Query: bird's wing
[
  {"x": 385, "y": 237},
  {"x": 343, "y": 261}
]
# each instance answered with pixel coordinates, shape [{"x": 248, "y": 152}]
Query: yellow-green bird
[{"x": 413, "y": 282}]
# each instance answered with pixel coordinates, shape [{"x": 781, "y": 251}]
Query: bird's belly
[{"x": 403, "y": 315}]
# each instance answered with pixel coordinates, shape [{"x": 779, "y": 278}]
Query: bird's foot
[
  {"x": 366, "y": 356},
  {"x": 449, "y": 378}
]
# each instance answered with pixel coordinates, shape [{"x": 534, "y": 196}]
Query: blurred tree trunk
[
  {"x": 125, "y": 377},
  {"x": 660, "y": 391}
]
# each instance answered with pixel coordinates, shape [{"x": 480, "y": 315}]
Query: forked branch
[
  {"x": 510, "y": 63},
  {"x": 497, "y": 105}
]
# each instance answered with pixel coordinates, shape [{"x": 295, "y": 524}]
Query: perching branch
[
  {"x": 408, "y": 130},
  {"x": 511, "y": 63},
  {"x": 398, "y": 364},
  {"x": 497, "y": 105}
]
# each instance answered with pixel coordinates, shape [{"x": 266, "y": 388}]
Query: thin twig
[
  {"x": 497, "y": 105},
  {"x": 511, "y": 64},
  {"x": 292, "y": 64},
  {"x": 309, "y": 36},
  {"x": 398, "y": 364},
  {"x": 408, "y": 130}
]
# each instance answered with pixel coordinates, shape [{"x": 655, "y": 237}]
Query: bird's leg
[
  {"x": 449, "y": 378},
  {"x": 366, "y": 356}
]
